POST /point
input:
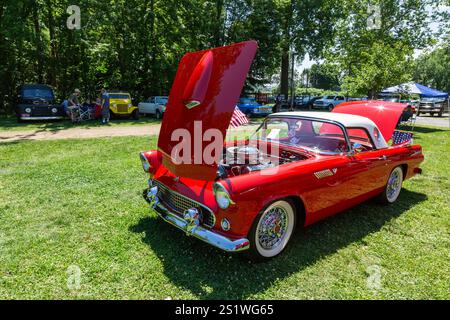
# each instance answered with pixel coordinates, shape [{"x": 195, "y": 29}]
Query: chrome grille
[
  {"x": 179, "y": 203},
  {"x": 122, "y": 108}
]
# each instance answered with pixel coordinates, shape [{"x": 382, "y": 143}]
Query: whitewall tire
[{"x": 272, "y": 229}]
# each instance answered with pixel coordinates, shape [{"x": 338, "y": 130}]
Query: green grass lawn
[
  {"x": 11, "y": 124},
  {"x": 68, "y": 204}
]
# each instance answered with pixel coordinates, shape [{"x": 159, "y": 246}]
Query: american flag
[
  {"x": 400, "y": 137},
  {"x": 238, "y": 118}
]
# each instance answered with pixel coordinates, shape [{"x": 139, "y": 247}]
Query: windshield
[
  {"x": 161, "y": 100},
  {"x": 118, "y": 96},
  {"x": 248, "y": 101},
  {"x": 37, "y": 93},
  {"x": 312, "y": 135},
  {"x": 329, "y": 97}
]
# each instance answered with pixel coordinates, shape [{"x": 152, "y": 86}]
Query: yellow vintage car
[{"x": 120, "y": 105}]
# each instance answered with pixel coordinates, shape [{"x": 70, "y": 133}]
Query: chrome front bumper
[
  {"x": 191, "y": 227},
  {"x": 41, "y": 118}
]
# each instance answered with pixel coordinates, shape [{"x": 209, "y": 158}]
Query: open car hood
[
  {"x": 202, "y": 100},
  {"x": 383, "y": 113}
]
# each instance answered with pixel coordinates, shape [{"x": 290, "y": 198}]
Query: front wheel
[
  {"x": 393, "y": 187},
  {"x": 330, "y": 107},
  {"x": 272, "y": 230},
  {"x": 158, "y": 114}
]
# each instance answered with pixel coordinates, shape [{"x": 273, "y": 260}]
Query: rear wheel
[
  {"x": 330, "y": 107},
  {"x": 158, "y": 114},
  {"x": 271, "y": 231},
  {"x": 393, "y": 186}
]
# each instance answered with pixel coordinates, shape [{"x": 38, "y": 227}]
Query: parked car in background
[
  {"x": 37, "y": 102},
  {"x": 357, "y": 99},
  {"x": 250, "y": 107},
  {"x": 155, "y": 106},
  {"x": 328, "y": 102},
  {"x": 433, "y": 106},
  {"x": 120, "y": 105},
  {"x": 305, "y": 101}
]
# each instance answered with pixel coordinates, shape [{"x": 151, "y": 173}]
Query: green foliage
[
  {"x": 135, "y": 45},
  {"x": 379, "y": 66},
  {"x": 433, "y": 69},
  {"x": 324, "y": 76},
  {"x": 379, "y": 55}
]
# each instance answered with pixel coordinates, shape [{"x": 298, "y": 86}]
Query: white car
[
  {"x": 154, "y": 105},
  {"x": 328, "y": 102}
]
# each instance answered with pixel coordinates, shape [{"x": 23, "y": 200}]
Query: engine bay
[{"x": 239, "y": 160}]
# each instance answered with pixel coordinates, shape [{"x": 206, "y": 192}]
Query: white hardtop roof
[{"x": 347, "y": 120}]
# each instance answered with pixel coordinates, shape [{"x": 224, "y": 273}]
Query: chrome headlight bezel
[
  {"x": 146, "y": 166},
  {"x": 222, "y": 196}
]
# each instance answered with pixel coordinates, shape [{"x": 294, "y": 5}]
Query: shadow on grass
[
  {"x": 428, "y": 129},
  {"x": 212, "y": 274}
]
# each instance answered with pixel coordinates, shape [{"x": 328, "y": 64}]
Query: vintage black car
[{"x": 37, "y": 102}]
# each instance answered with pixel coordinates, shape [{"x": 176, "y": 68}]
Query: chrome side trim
[{"x": 41, "y": 118}]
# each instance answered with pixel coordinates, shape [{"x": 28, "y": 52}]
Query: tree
[
  {"x": 376, "y": 41},
  {"x": 306, "y": 26},
  {"x": 324, "y": 76},
  {"x": 433, "y": 69}
]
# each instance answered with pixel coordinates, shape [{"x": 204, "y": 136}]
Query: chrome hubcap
[
  {"x": 272, "y": 228},
  {"x": 394, "y": 184}
]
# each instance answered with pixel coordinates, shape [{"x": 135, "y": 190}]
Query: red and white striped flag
[{"x": 238, "y": 118}]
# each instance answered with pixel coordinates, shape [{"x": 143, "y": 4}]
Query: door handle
[{"x": 382, "y": 158}]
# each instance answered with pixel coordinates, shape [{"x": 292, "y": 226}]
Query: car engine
[{"x": 239, "y": 160}]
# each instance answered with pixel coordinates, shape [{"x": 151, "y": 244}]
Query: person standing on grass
[
  {"x": 73, "y": 103},
  {"x": 105, "y": 106}
]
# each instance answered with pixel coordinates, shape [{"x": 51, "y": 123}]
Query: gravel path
[
  {"x": 141, "y": 130},
  {"x": 94, "y": 132},
  {"x": 443, "y": 121},
  {"x": 80, "y": 133}
]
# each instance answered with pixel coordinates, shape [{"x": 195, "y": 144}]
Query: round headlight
[
  {"x": 130, "y": 105},
  {"x": 222, "y": 196},
  {"x": 54, "y": 110},
  {"x": 28, "y": 110},
  {"x": 114, "y": 105}
]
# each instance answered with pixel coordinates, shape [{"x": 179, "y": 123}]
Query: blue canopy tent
[{"x": 415, "y": 88}]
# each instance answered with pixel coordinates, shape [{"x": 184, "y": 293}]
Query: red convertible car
[{"x": 296, "y": 169}]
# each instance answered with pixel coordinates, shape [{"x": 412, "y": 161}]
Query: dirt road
[
  {"x": 138, "y": 130},
  {"x": 86, "y": 132},
  {"x": 79, "y": 133}
]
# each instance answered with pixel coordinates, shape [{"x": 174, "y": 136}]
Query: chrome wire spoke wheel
[
  {"x": 274, "y": 228},
  {"x": 394, "y": 185}
]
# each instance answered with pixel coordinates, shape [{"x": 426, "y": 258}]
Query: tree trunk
[
  {"x": 39, "y": 47},
  {"x": 284, "y": 82},
  {"x": 52, "y": 78},
  {"x": 218, "y": 36}
]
